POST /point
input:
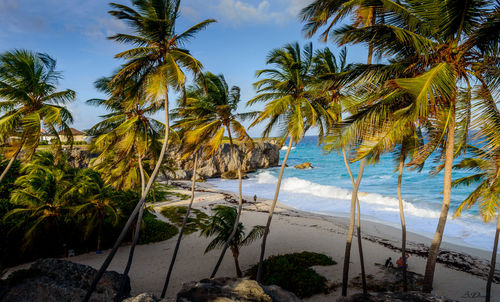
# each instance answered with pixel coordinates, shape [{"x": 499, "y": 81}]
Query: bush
[
  {"x": 293, "y": 273},
  {"x": 196, "y": 220},
  {"x": 155, "y": 230}
]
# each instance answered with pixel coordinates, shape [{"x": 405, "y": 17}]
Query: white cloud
[
  {"x": 239, "y": 12},
  {"x": 105, "y": 27}
]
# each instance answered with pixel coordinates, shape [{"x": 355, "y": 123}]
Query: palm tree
[
  {"x": 28, "y": 87},
  {"x": 157, "y": 61},
  {"x": 332, "y": 80},
  {"x": 446, "y": 43},
  {"x": 291, "y": 103},
  {"x": 363, "y": 13},
  {"x": 41, "y": 194},
  {"x": 125, "y": 137},
  {"x": 486, "y": 194},
  {"x": 221, "y": 226},
  {"x": 96, "y": 205},
  {"x": 211, "y": 109}
]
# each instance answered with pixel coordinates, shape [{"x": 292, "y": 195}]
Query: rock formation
[
  {"x": 395, "y": 297},
  {"x": 307, "y": 165},
  {"x": 54, "y": 280},
  {"x": 263, "y": 155},
  {"x": 233, "y": 289}
]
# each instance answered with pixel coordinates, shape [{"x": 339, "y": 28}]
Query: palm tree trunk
[
  {"x": 240, "y": 208},
  {"x": 438, "y": 236},
  {"x": 236, "y": 254},
  {"x": 99, "y": 232},
  {"x": 493, "y": 261},
  {"x": 350, "y": 232},
  {"x": 137, "y": 208},
  {"x": 181, "y": 232},
  {"x": 358, "y": 213},
  {"x": 11, "y": 161},
  {"x": 136, "y": 236},
  {"x": 271, "y": 211},
  {"x": 403, "y": 222}
]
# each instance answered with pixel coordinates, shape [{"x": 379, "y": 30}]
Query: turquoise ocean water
[{"x": 327, "y": 189}]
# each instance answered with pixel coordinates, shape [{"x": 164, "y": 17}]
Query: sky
[{"x": 75, "y": 34}]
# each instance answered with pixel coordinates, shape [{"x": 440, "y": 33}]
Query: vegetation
[
  {"x": 156, "y": 230},
  {"x": 293, "y": 272},
  {"x": 221, "y": 226},
  {"x": 196, "y": 221}
]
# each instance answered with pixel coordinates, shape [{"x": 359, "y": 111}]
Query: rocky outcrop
[
  {"x": 263, "y": 155},
  {"x": 390, "y": 280},
  {"x": 395, "y": 297},
  {"x": 232, "y": 289},
  {"x": 54, "y": 280},
  {"x": 304, "y": 166},
  {"x": 232, "y": 175}
]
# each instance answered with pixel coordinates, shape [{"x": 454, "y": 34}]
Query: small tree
[{"x": 221, "y": 226}]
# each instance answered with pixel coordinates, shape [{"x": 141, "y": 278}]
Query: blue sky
[{"x": 74, "y": 33}]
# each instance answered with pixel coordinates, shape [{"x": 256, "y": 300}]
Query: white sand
[{"x": 291, "y": 231}]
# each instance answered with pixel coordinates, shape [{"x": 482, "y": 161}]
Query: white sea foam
[
  {"x": 377, "y": 201},
  {"x": 286, "y": 148}
]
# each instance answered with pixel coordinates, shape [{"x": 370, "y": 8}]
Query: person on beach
[
  {"x": 399, "y": 263},
  {"x": 388, "y": 262}
]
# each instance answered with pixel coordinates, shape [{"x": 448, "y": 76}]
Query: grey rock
[
  {"x": 263, "y": 155},
  {"x": 395, "y": 297},
  {"x": 145, "y": 297},
  {"x": 280, "y": 295},
  {"x": 54, "y": 280},
  {"x": 232, "y": 289}
]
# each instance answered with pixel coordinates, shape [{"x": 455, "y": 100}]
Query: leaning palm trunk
[
  {"x": 350, "y": 232},
  {"x": 137, "y": 208},
  {"x": 358, "y": 218},
  {"x": 271, "y": 211},
  {"x": 181, "y": 232},
  {"x": 11, "y": 161},
  {"x": 493, "y": 261},
  {"x": 136, "y": 236},
  {"x": 240, "y": 208},
  {"x": 403, "y": 223},
  {"x": 438, "y": 236}
]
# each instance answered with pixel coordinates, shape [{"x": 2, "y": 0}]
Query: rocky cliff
[{"x": 263, "y": 155}]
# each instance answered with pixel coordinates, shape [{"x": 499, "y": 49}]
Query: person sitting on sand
[
  {"x": 399, "y": 263},
  {"x": 388, "y": 262}
]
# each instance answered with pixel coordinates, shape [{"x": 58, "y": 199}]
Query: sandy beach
[{"x": 459, "y": 275}]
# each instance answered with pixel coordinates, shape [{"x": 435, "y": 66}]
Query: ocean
[{"x": 327, "y": 189}]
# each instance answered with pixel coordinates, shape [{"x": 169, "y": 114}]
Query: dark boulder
[{"x": 54, "y": 280}]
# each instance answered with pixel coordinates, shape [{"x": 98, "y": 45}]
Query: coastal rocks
[
  {"x": 263, "y": 155},
  {"x": 145, "y": 297},
  {"x": 54, "y": 280},
  {"x": 390, "y": 279},
  {"x": 395, "y": 297},
  {"x": 233, "y": 174},
  {"x": 307, "y": 165},
  {"x": 232, "y": 289}
]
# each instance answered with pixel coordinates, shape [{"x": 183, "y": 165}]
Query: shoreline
[
  {"x": 417, "y": 242},
  {"x": 459, "y": 268}
]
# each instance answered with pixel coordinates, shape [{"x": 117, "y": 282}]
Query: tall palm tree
[
  {"x": 221, "y": 226},
  {"x": 125, "y": 137},
  {"x": 446, "y": 42},
  {"x": 363, "y": 13},
  {"x": 291, "y": 103},
  {"x": 157, "y": 60},
  {"x": 333, "y": 79},
  {"x": 486, "y": 194},
  {"x": 95, "y": 205},
  {"x": 210, "y": 111},
  {"x": 30, "y": 99}
]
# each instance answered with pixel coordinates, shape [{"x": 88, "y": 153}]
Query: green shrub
[
  {"x": 293, "y": 273},
  {"x": 155, "y": 230},
  {"x": 196, "y": 221}
]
